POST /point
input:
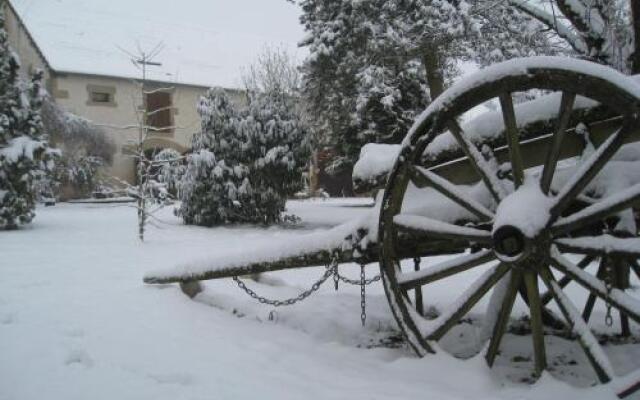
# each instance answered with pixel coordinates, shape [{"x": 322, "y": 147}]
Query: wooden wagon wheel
[{"x": 523, "y": 235}]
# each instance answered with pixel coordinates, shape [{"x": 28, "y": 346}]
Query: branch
[
  {"x": 575, "y": 41},
  {"x": 150, "y": 113},
  {"x": 164, "y": 89}
]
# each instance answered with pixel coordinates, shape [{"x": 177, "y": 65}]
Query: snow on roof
[{"x": 205, "y": 42}]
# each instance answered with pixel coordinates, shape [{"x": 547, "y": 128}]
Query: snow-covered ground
[{"x": 76, "y": 322}]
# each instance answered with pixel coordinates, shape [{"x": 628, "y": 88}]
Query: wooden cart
[{"x": 531, "y": 194}]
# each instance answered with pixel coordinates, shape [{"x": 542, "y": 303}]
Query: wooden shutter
[{"x": 160, "y": 120}]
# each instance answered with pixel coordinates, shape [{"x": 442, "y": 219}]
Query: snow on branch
[{"x": 552, "y": 22}]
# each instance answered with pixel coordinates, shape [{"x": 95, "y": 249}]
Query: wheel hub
[
  {"x": 519, "y": 228},
  {"x": 510, "y": 244}
]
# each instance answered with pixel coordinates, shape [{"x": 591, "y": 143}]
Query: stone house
[{"x": 103, "y": 85}]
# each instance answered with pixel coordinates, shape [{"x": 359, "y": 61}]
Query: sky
[{"x": 203, "y": 42}]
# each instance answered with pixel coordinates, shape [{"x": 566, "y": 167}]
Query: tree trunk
[
  {"x": 433, "y": 66},
  {"x": 635, "y": 56}
]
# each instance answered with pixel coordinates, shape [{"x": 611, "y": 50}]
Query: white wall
[
  {"x": 20, "y": 41},
  {"x": 73, "y": 95}
]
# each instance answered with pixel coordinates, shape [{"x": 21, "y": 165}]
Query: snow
[
  {"x": 205, "y": 43},
  {"x": 582, "y": 330},
  {"x": 605, "y": 243},
  {"x": 375, "y": 159},
  {"x": 76, "y": 322},
  {"x": 616, "y": 296},
  {"x": 526, "y": 209},
  {"x": 606, "y": 203},
  {"x": 21, "y": 146},
  {"x": 442, "y": 267},
  {"x": 490, "y": 123},
  {"x": 518, "y": 67},
  {"x": 328, "y": 240},
  {"x": 429, "y": 225},
  {"x": 482, "y": 125}
]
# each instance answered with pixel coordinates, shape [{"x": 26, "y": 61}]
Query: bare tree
[
  {"x": 274, "y": 69},
  {"x": 148, "y": 189}
]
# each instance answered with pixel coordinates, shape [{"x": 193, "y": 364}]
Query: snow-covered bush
[
  {"x": 24, "y": 153},
  {"x": 171, "y": 169},
  {"x": 215, "y": 173},
  {"x": 245, "y": 163},
  {"x": 85, "y": 150},
  {"x": 275, "y": 149}
]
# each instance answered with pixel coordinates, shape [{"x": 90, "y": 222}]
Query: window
[
  {"x": 101, "y": 95},
  {"x": 160, "y": 111}
]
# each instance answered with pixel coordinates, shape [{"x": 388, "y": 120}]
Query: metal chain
[
  {"x": 358, "y": 281},
  {"x": 290, "y": 301},
  {"x": 336, "y": 275},
  {"x": 608, "y": 281},
  {"x": 363, "y": 297}
]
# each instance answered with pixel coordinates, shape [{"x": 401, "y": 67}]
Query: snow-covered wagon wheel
[{"x": 540, "y": 212}]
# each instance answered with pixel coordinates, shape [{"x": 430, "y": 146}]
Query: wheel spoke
[
  {"x": 566, "y": 105},
  {"x": 439, "y": 229},
  {"x": 622, "y": 270},
  {"x": 411, "y": 280},
  {"x": 596, "y": 212},
  {"x": 511, "y": 131},
  {"x": 602, "y": 244},
  {"x": 547, "y": 297},
  {"x": 422, "y": 177},
  {"x": 635, "y": 267},
  {"x": 535, "y": 312},
  {"x": 589, "y": 169},
  {"x": 588, "y": 342},
  {"x": 591, "y": 300},
  {"x": 502, "y": 321},
  {"x": 465, "y": 302},
  {"x": 477, "y": 161},
  {"x": 617, "y": 298},
  {"x": 418, "y": 291}
]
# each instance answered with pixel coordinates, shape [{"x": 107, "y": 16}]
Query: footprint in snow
[{"x": 80, "y": 357}]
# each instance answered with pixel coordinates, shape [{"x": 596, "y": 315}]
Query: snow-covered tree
[
  {"x": 171, "y": 169},
  {"x": 84, "y": 150},
  {"x": 24, "y": 154},
  {"x": 274, "y": 147},
  {"x": 358, "y": 88},
  {"x": 216, "y": 177},
  {"x": 245, "y": 163},
  {"x": 374, "y": 64},
  {"x": 601, "y": 30}
]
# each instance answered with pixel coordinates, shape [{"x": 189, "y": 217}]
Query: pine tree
[
  {"x": 374, "y": 64},
  {"x": 245, "y": 163},
  {"x": 359, "y": 88},
  {"x": 275, "y": 151},
  {"x": 215, "y": 173},
  {"x": 23, "y": 144}
]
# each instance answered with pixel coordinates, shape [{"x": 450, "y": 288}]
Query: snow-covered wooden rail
[
  {"x": 537, "y": 120},
  {"x": 353, "y": 241}
]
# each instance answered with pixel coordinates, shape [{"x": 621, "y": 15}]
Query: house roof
[{"x": 204, "y": 42}]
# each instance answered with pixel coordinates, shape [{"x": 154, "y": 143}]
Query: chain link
[
  {"x": 363, "y": 297},
  {"x": 358, "y": 281},
  {"x": 287, "y": 302},
  {"x": 608, "y": 281},
  {"x": 331, "y": 271}
]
